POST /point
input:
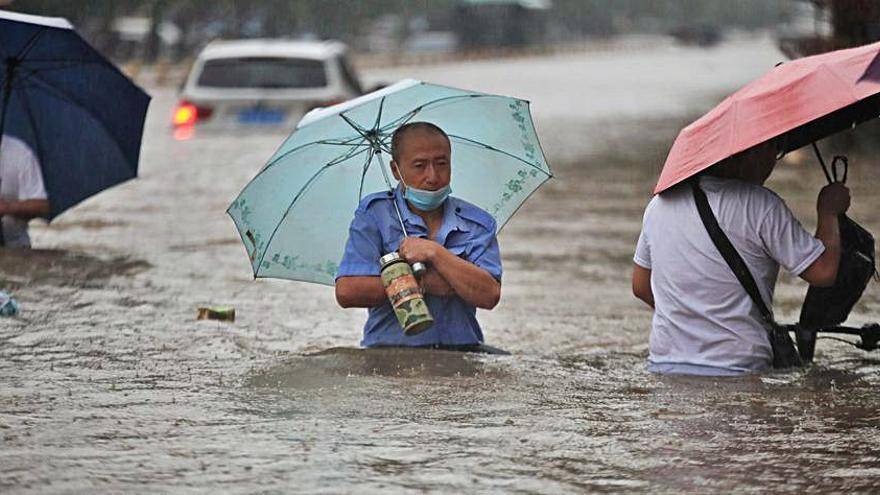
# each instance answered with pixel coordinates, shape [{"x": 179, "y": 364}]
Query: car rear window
[{"x": 263, "y": 72}]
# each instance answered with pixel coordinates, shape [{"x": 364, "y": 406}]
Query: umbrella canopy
[
  {"x": 294, "y": 215},
  {"x": 82, "y": 117},
  {"x": 805, "y": 100}
]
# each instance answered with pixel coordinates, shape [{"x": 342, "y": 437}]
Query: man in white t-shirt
[
  {"x": 704, "y": 321},
  {"x": 22, "y": 193}
]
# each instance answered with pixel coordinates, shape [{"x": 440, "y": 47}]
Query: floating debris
[
  {"x": 8, "y": 305},
  {"x": 220, "y": 313}
]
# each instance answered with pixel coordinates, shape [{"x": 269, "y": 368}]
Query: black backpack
[{"x": 829, "y": 306}]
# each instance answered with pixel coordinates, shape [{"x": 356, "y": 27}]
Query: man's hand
[
  {"x": 416, "y": 249},
  {"x": 433, "y": 283},
  {"x": 833, "y": 199}
]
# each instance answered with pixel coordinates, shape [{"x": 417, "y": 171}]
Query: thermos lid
[{"x": 389, "y": 258}]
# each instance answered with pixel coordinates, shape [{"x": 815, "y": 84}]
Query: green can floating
[{"x": 405, "y": 295}]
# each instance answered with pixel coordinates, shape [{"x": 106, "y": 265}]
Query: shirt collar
[{"x": 452, "y": 217}]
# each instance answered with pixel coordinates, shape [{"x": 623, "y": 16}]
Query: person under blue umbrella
[
  {"x": 22, "y": 193},
  {"x": 79, "y": 117}
]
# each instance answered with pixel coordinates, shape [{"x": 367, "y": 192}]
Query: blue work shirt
[{"x": 467, "y": 231}]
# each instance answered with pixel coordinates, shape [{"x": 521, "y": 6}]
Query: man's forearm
[
  {"x": 823, "y": 271},
  {"x": 641, "y": 285},
  {"x": 833, "y": 200},
  {"x": 360, "y": 292},
  {"x": 828, "y": 231},
  {"x": 470, "y": 282},
  {"x": 433, "y": 283},
  {"x": 25, "y": 209}
]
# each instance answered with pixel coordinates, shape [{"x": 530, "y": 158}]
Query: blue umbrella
[
  {"x": 293, "y": 217},
  {"x": 82, "y": 117}
]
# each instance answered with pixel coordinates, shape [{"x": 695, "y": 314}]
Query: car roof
[{"x": 272, "y": 48}]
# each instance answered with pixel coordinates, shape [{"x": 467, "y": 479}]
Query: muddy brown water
[{"x": 109, "y": 383}]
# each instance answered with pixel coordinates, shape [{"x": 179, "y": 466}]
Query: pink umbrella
[{"x": 805, "y": 100}]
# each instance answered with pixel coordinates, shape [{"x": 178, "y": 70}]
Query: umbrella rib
[
  {"x": 492, "y": 148},
  {"x": 30, "y": 43},
  {"x": 28, "y": 74},
  {"x": 313, "y": 143},
  {"x": 451, "y": 99},
  {"x": 400, "y": 121},
  {"x": 302, "y": 190},
  {"x": 835, "y": 75},
  {"x": 384, "y": 146},
  {"x": 344, "y": 143},
  {"x": 379, "y": 113},
  {"x": 360, "y": 130},
  {"x": 64, "y": 96}
]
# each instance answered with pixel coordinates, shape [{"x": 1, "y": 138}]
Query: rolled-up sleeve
[
  {"x": 363, "y": 248},
  {"x": 484, "y": 251}
]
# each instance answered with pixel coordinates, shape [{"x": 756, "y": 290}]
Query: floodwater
[{"x": 108, "y": 382}]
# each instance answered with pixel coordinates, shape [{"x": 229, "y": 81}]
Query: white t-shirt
[
  {"x": 20, "y": 179},
  {"x": 703, "y": 317}
]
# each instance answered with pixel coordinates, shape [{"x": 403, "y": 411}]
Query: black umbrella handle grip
[
  {"x": 419, "y": 269},
  {"x": 838, "y": 160}
]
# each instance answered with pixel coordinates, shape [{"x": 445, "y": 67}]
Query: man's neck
[{"x": 433, "y": 219}]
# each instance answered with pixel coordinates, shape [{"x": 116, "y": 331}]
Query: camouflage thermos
[{"x": 405, "y": 294}]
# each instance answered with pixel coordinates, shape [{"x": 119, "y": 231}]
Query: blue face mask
[{"x": 427, "y": 200}]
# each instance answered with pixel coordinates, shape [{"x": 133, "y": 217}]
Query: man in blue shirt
[{"x": 454, "y": 238}]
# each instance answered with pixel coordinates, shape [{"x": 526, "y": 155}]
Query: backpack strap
[{"x": 728, "y": 252}]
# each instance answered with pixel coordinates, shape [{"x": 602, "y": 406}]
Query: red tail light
[
  {"x": 187, "y": 114},
  {"x": 184, "y": 114}
]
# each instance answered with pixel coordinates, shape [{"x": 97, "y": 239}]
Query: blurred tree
[
  {"x": 604, "y": 17},
  {"x": 351, "y": 20},
  {"x": 156, "y": 14},
  {"x": 856, "y": 22}
]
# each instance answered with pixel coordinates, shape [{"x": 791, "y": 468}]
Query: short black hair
[{"x": 405, "y": 129}]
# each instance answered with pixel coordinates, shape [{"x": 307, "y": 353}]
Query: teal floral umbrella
[{"x": 293, "y": 217}]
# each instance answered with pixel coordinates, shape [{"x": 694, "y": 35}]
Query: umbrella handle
[
  {"x": 419, "y": 269},
  {"x": 834, "y": 163},
  {"x": 822, "y": 162}
]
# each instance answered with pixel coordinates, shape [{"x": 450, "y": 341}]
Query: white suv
[{"x": 258, "y": 83}]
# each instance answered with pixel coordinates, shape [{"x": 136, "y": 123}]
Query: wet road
[{"x": 107, "y": 381}]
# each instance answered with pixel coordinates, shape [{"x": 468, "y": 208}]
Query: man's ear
[{"x": 395, "y": 170}]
